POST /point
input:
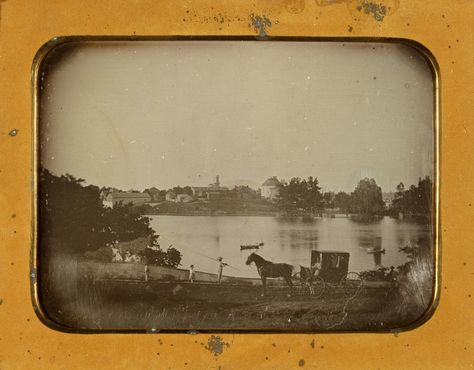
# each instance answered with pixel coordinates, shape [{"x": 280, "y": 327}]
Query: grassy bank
[{"x": 77, "y": 301}]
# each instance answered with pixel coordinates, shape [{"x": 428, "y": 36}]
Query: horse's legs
[{"x": 264, "y": 285}]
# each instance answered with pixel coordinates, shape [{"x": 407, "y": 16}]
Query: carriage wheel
[
  {"x": 303, "y": 288},
  {"x": 315, "y": 290},
  {"x": 351, "y": 284},
  {"x": 299, "y": 285}
]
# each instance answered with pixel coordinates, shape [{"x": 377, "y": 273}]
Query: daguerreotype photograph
[{"x": 236, "y": 185}]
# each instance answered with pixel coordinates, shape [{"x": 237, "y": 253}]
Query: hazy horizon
[{"x": 135, "y": 115}]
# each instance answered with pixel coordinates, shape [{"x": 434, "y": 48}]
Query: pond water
[{"x": 201, "y": 239}]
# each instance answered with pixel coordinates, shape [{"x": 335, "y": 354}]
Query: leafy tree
[
  {"x": 299, "y": 195},
  {"x": 182, "y": 190},
  {"x": 153, "y": 192},
  {"x": 343, "y": 201},
  {"x": 71, "y": 215},
  {"x": 424, "y": 197},
  {"x": 126, "y": 223},
  {"x": 155, "y": 256},
  {"x": 173, "y": 257},
  {"x": 243, "y": 192},
  {"x": 416, "y": 201},
  {"x": 398, "y": 203},
  {"x": 367, "y": 198},
  {"x": 72, "y": 220},
  {"x": 328, "y": 199}
]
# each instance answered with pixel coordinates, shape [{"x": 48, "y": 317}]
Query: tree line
[
  {"x": 73, "y": 220},
  {"x": 304, "y": 196},
  {"x": 416, "y": 201}
]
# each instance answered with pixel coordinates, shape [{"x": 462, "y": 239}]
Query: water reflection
[{"x": 370, "y": 245}]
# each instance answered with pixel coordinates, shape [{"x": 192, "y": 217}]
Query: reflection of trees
[
  {"x": 372, "y": 242},
  {"x": 299, "y": 238},
  {"x": 366, "y": 220},
  {"x": 366, "y": 238}
]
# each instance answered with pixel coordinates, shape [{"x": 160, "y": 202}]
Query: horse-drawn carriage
[{"x": 328, "y": 269}]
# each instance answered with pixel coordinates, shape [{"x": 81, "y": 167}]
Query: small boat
[
  {"x": 251, "y": 246},
  {"x": 375, "y": 251}
]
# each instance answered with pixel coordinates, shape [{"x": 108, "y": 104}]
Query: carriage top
[{"x": 334, "y": 264}]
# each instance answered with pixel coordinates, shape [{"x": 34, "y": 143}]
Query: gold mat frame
[{"x": 444, "y": 28}]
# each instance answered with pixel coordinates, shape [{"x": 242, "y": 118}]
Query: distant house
[
  {"x": 136, "y": 199},
  {"x": 170, "y": 196},
  {"x": 184, "y": 198},
  {"x": 213, "y": 191},
  {"x": 270, "y": 188},
  {"x": 154, "y": 193},
  {"x": 388, "y": 199}
]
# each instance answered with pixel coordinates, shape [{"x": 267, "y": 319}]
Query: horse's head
[{"x": 250, "y": 259}]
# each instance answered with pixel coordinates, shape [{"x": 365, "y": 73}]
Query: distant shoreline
[
  {"x": 212, "y": 215},
  {"x": 249, "y": 215}
]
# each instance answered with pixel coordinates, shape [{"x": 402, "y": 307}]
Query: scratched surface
[{"x": 446, "y": 341}]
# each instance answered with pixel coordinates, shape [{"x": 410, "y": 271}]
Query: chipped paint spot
[
  {"x": 1, "y": 302},
  {"x": 312, "y": 344},
  {"x": 260, "y": 24},
  {"x": 295, "y": 6},
  {"x": 301, "y": 363},
  {"x": 378, "y": 10},
  {"x": 396, "y": 332},
  {"x": 13, "y": 132},
  {"x": 215, "y": 345}
]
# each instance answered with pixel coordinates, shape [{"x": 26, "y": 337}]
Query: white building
[
  {"x": 214, "y": 190},
  {"x": 170, "y": 196},
  {"x": 270, "y": 188}
]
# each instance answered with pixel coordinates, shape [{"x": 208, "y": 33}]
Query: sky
[{"x": 133, "y": 115}]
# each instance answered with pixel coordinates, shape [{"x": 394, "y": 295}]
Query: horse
[{"x": 267, "y": 269}]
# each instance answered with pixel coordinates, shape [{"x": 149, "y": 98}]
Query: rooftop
[{"x": 272, "y": 181}]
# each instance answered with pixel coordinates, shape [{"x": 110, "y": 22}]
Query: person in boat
[
  {"x": 220, "y": 268},
  {"x": 191, "y": 274}
]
